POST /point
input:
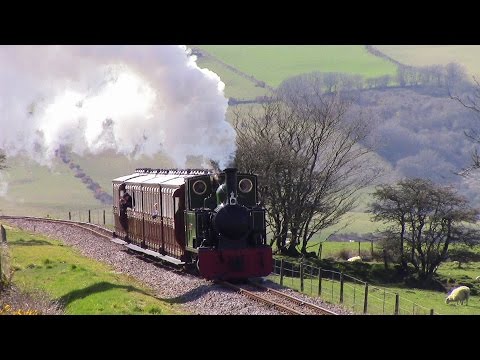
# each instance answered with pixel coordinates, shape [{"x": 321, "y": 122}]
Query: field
[
  {"x": 354, "y": 222},
  {"x": 275, "y": 63},
  {"x": 39, "y": 190},
  {"x": 85, "y": 286},
  {"x": 381, "y": 296},
  {"x": 422, "y": 55},
  {"x": 107, "y": 166},
  {"x": 235, "y": 85}
]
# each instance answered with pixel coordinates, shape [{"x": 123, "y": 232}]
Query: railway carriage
[{"x": 195, "y": 216}]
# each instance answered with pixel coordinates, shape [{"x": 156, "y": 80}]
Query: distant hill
[
  {"x": 40, "y": 190},
  {"x": 423, "y": 55},
  {"x": 275, "y": 63}
]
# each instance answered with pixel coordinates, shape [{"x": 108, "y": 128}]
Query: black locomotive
[{"x": 195, "y": 216}]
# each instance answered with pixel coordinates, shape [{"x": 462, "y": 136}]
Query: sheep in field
[
  {"x": 477, "y": 278},
  {"x": 459, "y": 294},
  {"x": 355, "y": 258}
]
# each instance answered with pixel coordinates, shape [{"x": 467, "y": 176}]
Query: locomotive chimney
[{"x": 231, "y": 182}]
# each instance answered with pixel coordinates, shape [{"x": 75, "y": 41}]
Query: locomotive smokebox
[{"x": 231, "y": 182}]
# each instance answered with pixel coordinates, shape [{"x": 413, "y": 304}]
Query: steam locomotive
[{"x": 208, "y": 219}]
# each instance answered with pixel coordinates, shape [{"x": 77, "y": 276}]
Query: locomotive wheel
[{"x": 192, "y": 267}]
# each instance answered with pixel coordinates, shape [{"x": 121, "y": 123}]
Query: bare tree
[
  {"x": 310, "y": 157},
  {"x": 391, "y": 208},
  {"x": 425, "y": 220},
  {"x": 471, "y": 100}
]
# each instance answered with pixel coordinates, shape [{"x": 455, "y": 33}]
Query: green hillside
[
  {"x": 38, "y": 190},
  {"x": 422, "y": 55},
  {"x": 275, "y": 63},
  {"x": 235, "y": 85},
  {"x": 106, "y": 166}
]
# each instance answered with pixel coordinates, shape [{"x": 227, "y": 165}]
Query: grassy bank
[{"x": 83, "y": 285}]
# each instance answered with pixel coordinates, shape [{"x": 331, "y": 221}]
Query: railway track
[
  {"x": 277, "y": 299},
  {"x": 95, "y": 229}
]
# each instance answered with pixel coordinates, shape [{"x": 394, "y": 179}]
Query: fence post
[
  {"x": 359, "y": 248},
  {"x": 89, "y": 218},
  {"x": 103, "y": 216},
  {"x": 341, "y": 287},
  {"x": 311, "y": 280},
  {"x": 301, "y": 276},
  {"x": 365, "y": 301},
  {"x": 319, "y": 281},
  {"x": 431, "y": 311},
  {"x": 397, "y": 301},
  {"x": 281, "y": 272},
  {"x": 3, "y": 236},
  {"x": 69, "y": 215}
]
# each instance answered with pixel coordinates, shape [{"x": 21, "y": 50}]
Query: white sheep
[
  {"x": 477, "y": 278},
  {"x": 459, "y": 294},
  {"x": 355, "y": 258}
]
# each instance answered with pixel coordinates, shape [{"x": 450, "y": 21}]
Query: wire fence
[
  {"x": 98, "y": 216},
  {"x": 339, "y": 288}
]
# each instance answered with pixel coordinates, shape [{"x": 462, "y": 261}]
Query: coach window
[
  {"x": 121, "y": 191},
  {"x": 176, "y": 202},
  {"x": 139, "y": 196},
  {"x": 134, "y": 203},
  {"x": 147, "y": 195},
  {"x": 165, "y": 199}
]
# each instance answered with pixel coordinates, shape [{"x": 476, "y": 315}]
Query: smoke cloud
[
  {"x": 136, "y": 100},
  {"x": 3, "y": 186}
]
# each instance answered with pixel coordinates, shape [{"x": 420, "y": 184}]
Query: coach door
[
  {"x": 172, "y": 248},
  {"x": 179, "y": 215},
  {"x": 153, "y": 217},
  {"x": 135, "y": 214},
  {"x": 119, "y": 231}
]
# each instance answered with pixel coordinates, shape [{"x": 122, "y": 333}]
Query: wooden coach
[{"x": 156, "y": 221}]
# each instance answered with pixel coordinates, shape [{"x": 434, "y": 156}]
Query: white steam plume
[
  {"x": 3, "y": 186},
  {"x": 137, "y": 100}
]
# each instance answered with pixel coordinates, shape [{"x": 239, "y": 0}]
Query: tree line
[{"x": 452, "y": 75}]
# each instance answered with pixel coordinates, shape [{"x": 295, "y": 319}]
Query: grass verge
[{"x": 80, "y": 284}]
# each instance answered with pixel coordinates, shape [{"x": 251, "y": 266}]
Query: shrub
[
  {"x": 344, "y": 254},
  {"x": 154, "y": 310}
]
